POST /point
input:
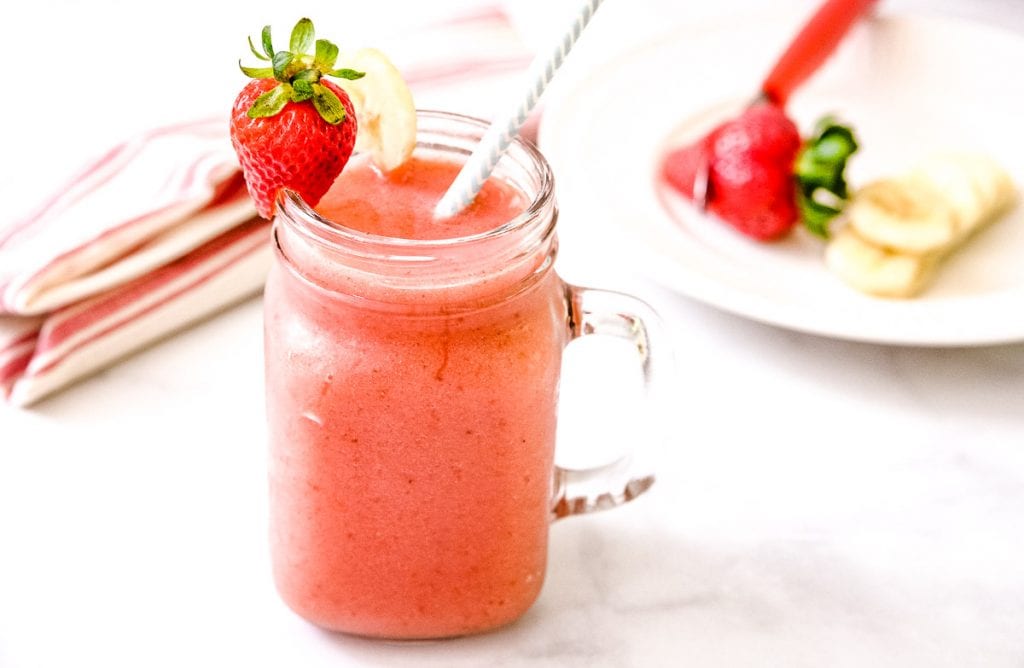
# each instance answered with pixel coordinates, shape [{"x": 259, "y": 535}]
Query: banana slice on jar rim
[
  {"x": 905, "y": 215},
  {"x": 385, "y": 112}
]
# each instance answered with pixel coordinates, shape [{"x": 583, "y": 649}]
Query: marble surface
[{"x": 818, "y": 502}]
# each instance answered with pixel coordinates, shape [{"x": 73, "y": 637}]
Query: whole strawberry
[
  {"x": 750, "y": 181},
  {"x": 750, "y": 171},
  {"x": 290, "y": 127},
  {"x": 761, "y": 178}
]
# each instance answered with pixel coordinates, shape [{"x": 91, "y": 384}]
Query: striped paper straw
[{"x": 505, "y": 128}]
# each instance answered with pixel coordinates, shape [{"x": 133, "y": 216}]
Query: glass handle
[{"x": 602, "y": 312}]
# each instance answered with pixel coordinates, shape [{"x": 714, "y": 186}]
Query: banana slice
[
  {"x": 961, "y": 183},
  {"x": 877, "y": 271},
  {"x": 976, "y": 186},
  {"x": 993, "y": 182},
  {"x": 903, "y": 214},
  {"x": 384, "y": 108},
  {"x": 899, "y": 230}
]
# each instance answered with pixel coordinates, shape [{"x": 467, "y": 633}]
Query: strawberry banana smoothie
[
  {"x": 412, "y": 382},
  {"x": 412, "y": 364}
]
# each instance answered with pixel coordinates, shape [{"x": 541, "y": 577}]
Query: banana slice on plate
[
  {"x": 975, "y": 185},
  {"x": 903, "y": 214},
  {"x": 384, "y": 107},
  {"x": 877, "y": 271},
  {"x": 993, "y": 182},
  {"x": 898, "y": 231},
  {"x": 960, "y": 183}
]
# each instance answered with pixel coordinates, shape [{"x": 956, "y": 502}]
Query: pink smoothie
[{"x": 412, "y": 431}]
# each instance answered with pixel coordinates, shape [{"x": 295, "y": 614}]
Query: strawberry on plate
[
  {"x": 762, "y": 178},
  {"x": 290, "y": 127}
]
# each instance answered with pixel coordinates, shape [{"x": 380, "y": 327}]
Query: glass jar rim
[{"x": 303, "y": 217}]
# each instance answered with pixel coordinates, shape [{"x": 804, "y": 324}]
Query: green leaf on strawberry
[
  {"x": 345, "y": 73},
  {"x": 303, "y": 90},
  {"x": 302, "y": 36},
  {"x": 256, "y": 53},
  {"x": 299, "y": 73},
  {"x": 819, "y": 169},
  {"x": 326, "y": 54},
  {"x": 256, "y": 72},
  {"x": 328, "y": 104},
  {"x": 270, "y": 103},
  {"x": 268, "y": 46},
  {"x": 282, "y": 59}
]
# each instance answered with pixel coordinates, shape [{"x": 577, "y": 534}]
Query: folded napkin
[
  {"x": 159, "y": 232},
  {"x": 152, "y": 236}
]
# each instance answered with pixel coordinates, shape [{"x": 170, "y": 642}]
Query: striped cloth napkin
[{"x": 159, "y": 232}]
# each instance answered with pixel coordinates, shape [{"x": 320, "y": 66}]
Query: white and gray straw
[{"x": 505, "y": 128}]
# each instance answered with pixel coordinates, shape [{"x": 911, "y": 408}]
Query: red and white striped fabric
[
  {"x": 152, "y": 236},
  {"x": 159, "y": 232}
]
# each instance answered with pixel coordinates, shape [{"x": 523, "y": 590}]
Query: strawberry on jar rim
[{"x": 291, "y": 127}]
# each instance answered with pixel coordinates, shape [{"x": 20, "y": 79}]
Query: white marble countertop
[{"x": 820, "y": 502}]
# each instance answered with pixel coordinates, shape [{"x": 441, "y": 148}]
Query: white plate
[{"x": 911, "y": 86}]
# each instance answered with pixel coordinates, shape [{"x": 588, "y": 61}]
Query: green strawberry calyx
[
  {"x": 299, "y": 73},
  {"x": 819, "y": 170}
]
